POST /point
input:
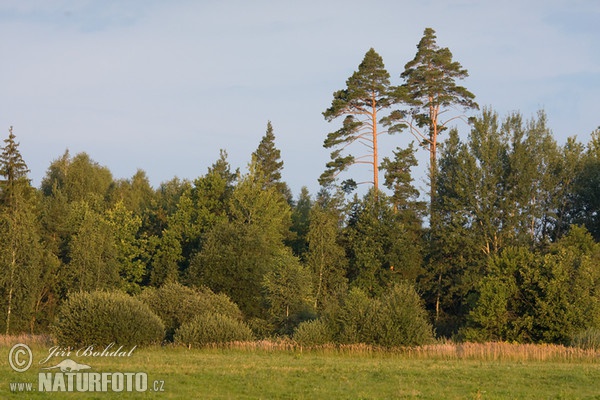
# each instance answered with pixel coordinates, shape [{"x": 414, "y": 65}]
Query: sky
[{"x": 162, "y": 86}]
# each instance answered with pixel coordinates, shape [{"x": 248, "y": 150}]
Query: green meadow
[{"x": 288, "y": 372}]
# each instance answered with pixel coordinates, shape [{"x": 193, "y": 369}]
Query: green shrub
[
  {"x": 176, "y": 304},
  {"x": 261, "y": 328},
  {"x": 396, "y": 318},
  {"x": 402, "y": 319},
  {"x": 100, "y": 318},
  {"x": 588, "y": 339},
  {"x": 355, "y": 319},
  {"x": 212, "y": 328},
  {"x": 313, "y": 333}
]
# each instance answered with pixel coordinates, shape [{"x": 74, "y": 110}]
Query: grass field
[{"x": 281, "y": 371}]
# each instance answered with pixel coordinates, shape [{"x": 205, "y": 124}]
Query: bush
[
  {"x": 313, "y": 333},
  {"x": 176, "y": 304},
  {"x": 101, "y": 318},
  {"x": 587, "y": 340},
  {"x": 355, "y": 318},
  {"x": 396, "y": 318},
  {"x": 212, "y": 329},
  {"x": 402, "y": 319}
]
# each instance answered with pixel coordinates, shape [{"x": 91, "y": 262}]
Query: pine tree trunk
[{"x": 375, "y": 155}]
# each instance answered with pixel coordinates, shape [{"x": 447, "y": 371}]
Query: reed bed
[
  {"x": 501, "y": 351},
  {"x": 28, "y": 339},
  {"x": 492, "y": 351}
]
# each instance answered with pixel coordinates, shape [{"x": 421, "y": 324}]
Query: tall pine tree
[
  {"x": 430, "y": 90},
  {"x": 366, "y": 95}
]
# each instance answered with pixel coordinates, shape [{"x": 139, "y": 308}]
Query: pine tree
[
  {"x": 430, "y": 90},
  {"x": 365, "y": 96}
]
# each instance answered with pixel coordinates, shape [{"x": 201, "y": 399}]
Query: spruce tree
[
  {"x": 267, "y": 159},
  {"x": 12, "y": 168},
  {"x": 21, "y": 251}
]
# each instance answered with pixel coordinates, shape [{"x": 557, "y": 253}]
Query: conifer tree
[
  {"x": 20, "y": 247},
  {"x": 399, "y": 180},
  {"x": 430, "y": 90},
  {"x": 12, "y": 167},
  {"x": 267, "y": 159},
  {"x": 300, "y": 224},
  {"x": 365, "y": 96}
]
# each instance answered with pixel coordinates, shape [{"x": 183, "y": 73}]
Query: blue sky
[{"x": 163, "y": 85}]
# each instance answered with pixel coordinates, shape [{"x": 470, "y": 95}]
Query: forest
[{"x": 504, "y": 247}]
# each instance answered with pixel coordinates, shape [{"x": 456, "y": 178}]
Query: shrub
[
  {"x": 396, "y": 318},
  {"x": 313, "y": 333},
  {"x": 355, "y": 318},
  {"x": 587, "y": 340},
  {"x": 212, "y": 329},
  {"x": 261, "y": 328},
  {"x": 176, "y": 304},
  {"x": 100, "y": 318},
  {"x": 402, "y": 319}
]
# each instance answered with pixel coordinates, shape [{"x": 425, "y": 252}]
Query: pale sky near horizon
[{"x": 163, "y": 85}]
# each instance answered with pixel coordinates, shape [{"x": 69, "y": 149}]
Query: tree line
[{"x": 506, "y": 248}]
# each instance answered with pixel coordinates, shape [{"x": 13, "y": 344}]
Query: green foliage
[
  {"x": 129, "y": 248},
  {"x": 396, "y": 318},
  {"x": 79, "y": 178},
  {"x": 503, "y": 187},
  {"x": 101, "y": 318},
  {"x": 92, "y": 255},
  {"x": 502, "y": 257},
  {"x": 356, "y": 318},
  {"x": 326, "y": 258},
  {"x": 585, "y": 195},
  {"x": 588, "y": 339},
  {"x": 176, "y": 304},
  {"x": 238, "y": 252},
  {"x": 12, "y": 167},
  {"x": 402, "y": 318},
  {"x": 398, "y": 178},
  {"x": 384, "y": 245},
  {"x": 288, "y": 293},
  {"x": 313, "y": 333},
  {"x": 208, "y": 329},
  {"x": 24, "y": 261},
  {"x": 533, "y": 298},
  {"x": 299, "y": 228},
  {"x": 268, "y": 162},
  {"x": 366, "y": 94},
  {"x": 430, "y": 91},
  {"x": 570, "y": 287},
  {"x": 431, "y": 80}
]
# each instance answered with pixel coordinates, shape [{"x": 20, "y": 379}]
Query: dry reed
[
  {"x": 28, "y": 339},
  {"x": 492, "y": 351}
]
